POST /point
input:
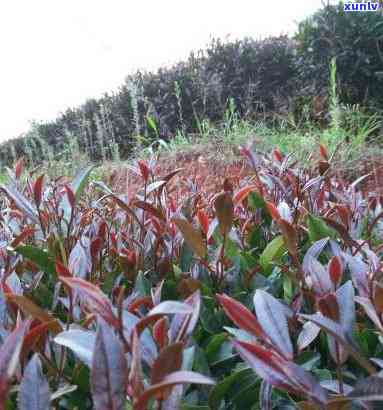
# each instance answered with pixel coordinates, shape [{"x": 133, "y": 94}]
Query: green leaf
[
  {"x": 186, "y": 257},
  {"x": 247, "y": 395},
  {"x": 77, "y": 186},
  {"x": 80, "y": 180},
  {"x": 38, "y": 256},
  {"x": 318, "y": 229},
  {"x": 256, "y": 201},
  {"x": 226, "y": 387},
  {"x": 142, "y": 285},
  {"x": 214, "y": 345},
  {"x": 151, "y": 123},
  {"x": 273, "y": 252},
  {"x": 288, "y": 290}
]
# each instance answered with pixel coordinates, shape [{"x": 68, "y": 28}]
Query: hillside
[{"x": 276, "y": 80}]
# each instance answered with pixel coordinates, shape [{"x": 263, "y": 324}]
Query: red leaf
[
  {"x": 146, "y": 321},
  {"x": 328, "y": 306},
  {"x": 240, "y": 315},
  {"x": 227, "y": 185},
  {"x": 25, "y": 234},
  {"x": 290, "y": 236},
  {"x": 240, "y": 195},
  {"x": 323, "y": 167},
  {"x": 93, "y": 296},
  {"x": 180, "y": 377},
  {"x": 344, "y": 214},
  {"x": 157, "y": 226},
  {"x": 335, "y": 270},
  {"x": 62, "y": 270},
  {"x": 160, "y": 335},
  {"x": 19, "y": 168},
  {"x": 168, "y": 361},
  {"x": 28, "y": 307},
  {"x": 102, "y": 229},
  {"x": 277, "y": 155},
  {"x": 265, "y": 362},
  {"x": 34, "y": 335},
  {"x": 224, "y": 210},
  {"x": 38, "y": 190},
  {"x": 144, "y": 169},
  {"x": 249, "y": 155},
  {"x": 9, "y": 356},
  {"x": 192, "y": 236},
  {"x": 95, "y": 248},
  {"x": 323, "y": 152},
  {"x": 273, "y": 211},
  {"x": 131, "y": 257},
  {"x": 203, "y": 220},
  {"x": 150, "y": 209},
  {"x": 280, "y": 372},
  {"x": 21, "y": 202},
  {"x": 145, "y": 301}
]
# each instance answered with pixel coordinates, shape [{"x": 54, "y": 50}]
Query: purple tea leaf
[
  {"x": 359, "y": 271},
  {"x": 265, "y": 391},
  {"x": 333, "y": 386},
  {"x": 179, "y": 329},
  {"x": 313, "y": 252},
  {"x": 170, "y": 307},
  {"x": 368, "y": 389},
  {"x": 271, "y": 315},
  {"x": 80, "y": 262},
  {"x": 109, "y": 373},
  {"x": 335, "y": 330},
  {"x": 370, "y": 311},
  {"x": 346, "y": 301},
  {"x": 319, "y": 277},
  {"x": 34, "y": 391},
  {"x": 81, "y": 342},
  {"x": 308, "y": 334},
  {"x": 279, "y": 372},
  {"x": 21, "y": 202}
]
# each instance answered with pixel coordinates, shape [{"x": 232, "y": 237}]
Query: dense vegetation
[
  {"x": 272, "y": 79},
  {"x": 228, "y": 275},
  {"x": 261, "y": 290}
]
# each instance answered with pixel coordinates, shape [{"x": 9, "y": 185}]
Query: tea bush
[
  {"x": 262, "y": 290},
  {"x": 274, "y": 79},
  {"x": 356, "y": 40}
]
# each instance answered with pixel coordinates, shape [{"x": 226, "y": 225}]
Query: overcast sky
[{"x": 57, "y": 53}]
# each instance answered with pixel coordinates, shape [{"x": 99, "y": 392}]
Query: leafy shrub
[
  {"x": 275, "y": 76},
  {"x": 255, "y": 74},
  {"x": 355, "y": 39},
  {"x": 128, "y": 301}
]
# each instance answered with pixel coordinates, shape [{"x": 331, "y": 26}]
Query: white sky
[{"x": 57, "y": 53}]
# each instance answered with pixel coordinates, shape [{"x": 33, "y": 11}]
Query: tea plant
[{"x": 115, "y": 301}]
